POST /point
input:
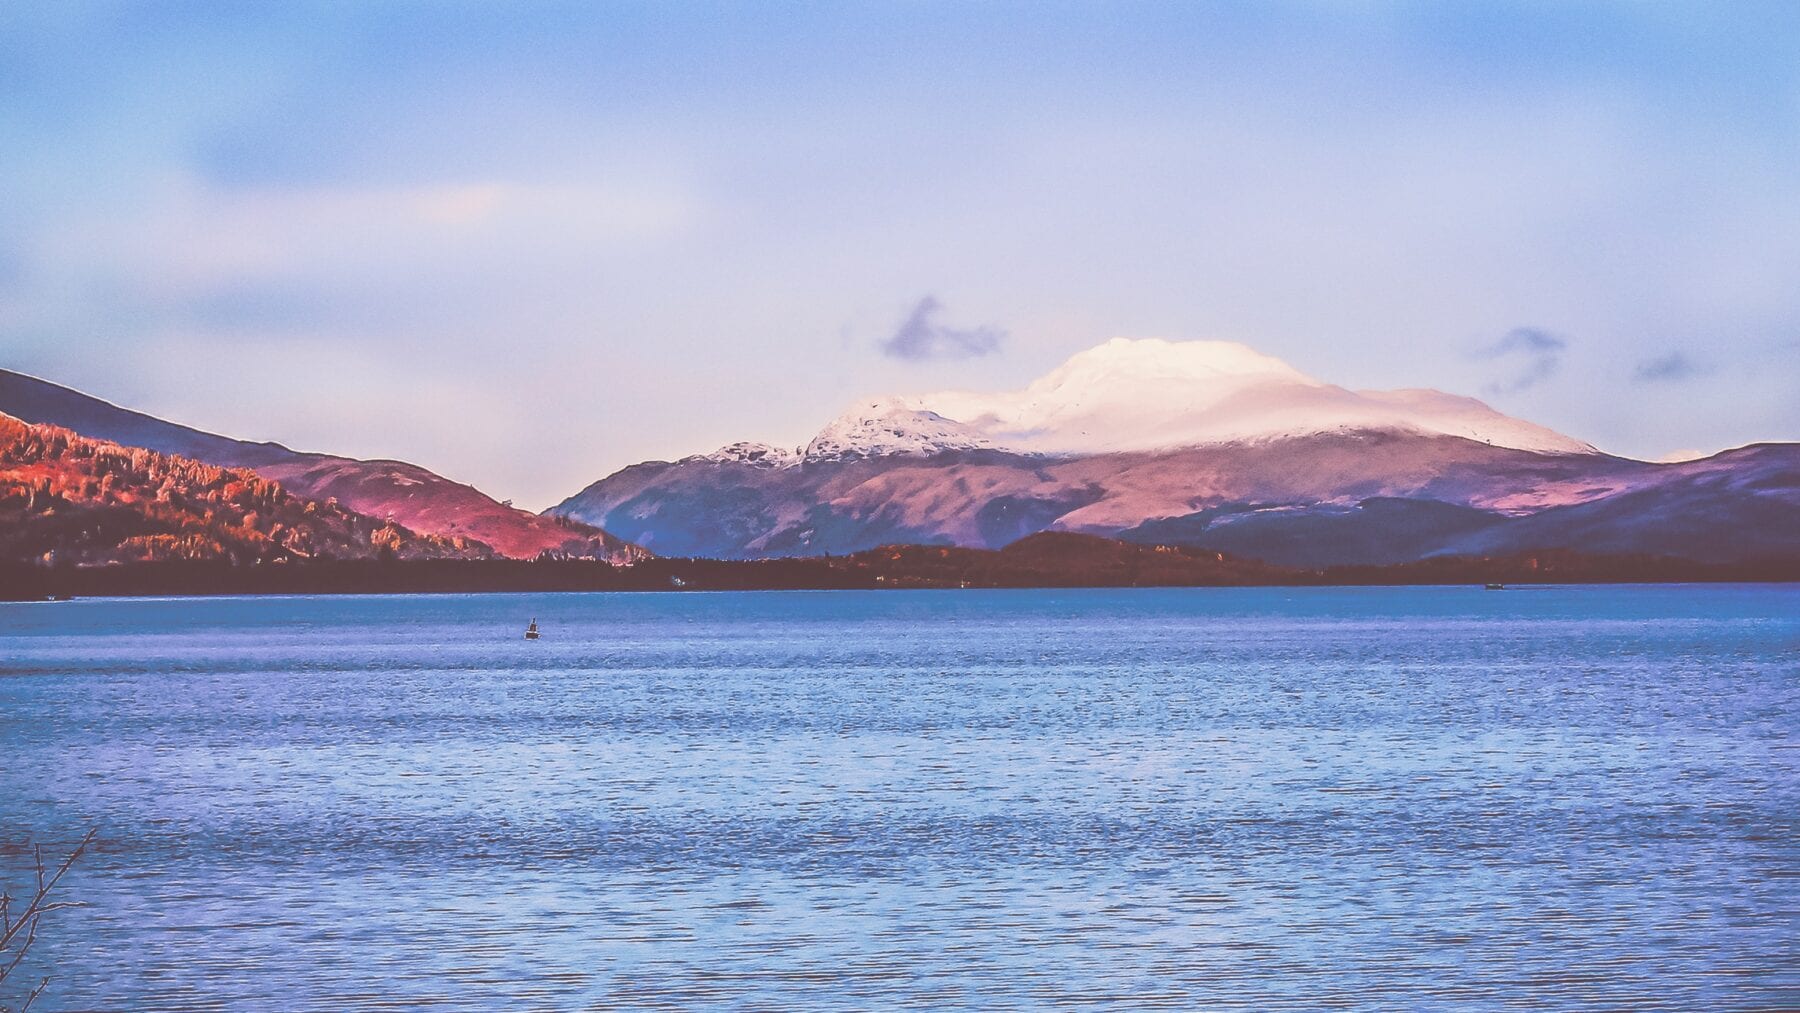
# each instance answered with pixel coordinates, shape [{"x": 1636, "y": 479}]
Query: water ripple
[{"x": 1236, "y": 800}]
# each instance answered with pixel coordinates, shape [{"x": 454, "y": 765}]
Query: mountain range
[{"x": 1203, "y": 445}]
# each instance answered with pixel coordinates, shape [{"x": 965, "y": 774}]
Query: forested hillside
[{"x": 65, "y": 498}]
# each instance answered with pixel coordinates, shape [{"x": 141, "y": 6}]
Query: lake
[{"x": 1428, "y": 798}]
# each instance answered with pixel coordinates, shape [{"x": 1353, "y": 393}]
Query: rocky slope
[{"x": 389, "y": 490}]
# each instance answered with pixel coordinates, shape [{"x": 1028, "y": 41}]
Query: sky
[{"x": 527, "y": 244}]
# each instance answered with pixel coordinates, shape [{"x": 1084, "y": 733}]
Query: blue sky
[{"x": 527, "y": 244}]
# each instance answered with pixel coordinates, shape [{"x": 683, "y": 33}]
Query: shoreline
[{"x": 894, "y": 568}]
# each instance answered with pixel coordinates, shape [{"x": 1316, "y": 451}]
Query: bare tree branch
[
  {"x": 37, "y": 902},
  {"x": 17, "y": 934}
]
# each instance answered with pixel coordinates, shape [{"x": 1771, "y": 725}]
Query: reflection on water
[{"x": 1302, "y": 799}]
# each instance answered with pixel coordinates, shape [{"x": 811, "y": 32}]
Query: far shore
[{"x": 1055, "y": 561}]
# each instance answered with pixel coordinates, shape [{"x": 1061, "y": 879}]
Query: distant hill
[
  {"x": 391, "y": 490},
  {"x": 65, "y": 498}
]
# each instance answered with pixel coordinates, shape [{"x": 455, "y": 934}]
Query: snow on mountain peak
[
  {"x": 1157, "y": 360},
  {"x": 1456, "y": 415},
  {"x": 887, "y": 427},
  {"x": 761, "y": 455},
  {"x": 1152, "y": 394},
  {"x": 1146, "y": 395}
]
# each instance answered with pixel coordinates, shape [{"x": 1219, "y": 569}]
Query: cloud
[
  {"x": 1536, "y": 353},
  {"x": 922, "y": 337},
  {"x": 1674, "y": 367}
]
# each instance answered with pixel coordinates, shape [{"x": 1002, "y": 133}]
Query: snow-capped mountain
[
  {"x": 761, "y": 455},
  {"x": 890, "y": 427},
  {"x": 1150, "y": 394},
  {"x": 1203, "y": 443}
]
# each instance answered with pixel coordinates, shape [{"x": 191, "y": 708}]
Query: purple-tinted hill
[{"x": 406, "y": 494}]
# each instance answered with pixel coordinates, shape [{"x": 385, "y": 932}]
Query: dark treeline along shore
[{"x": 1044, "y": 560}]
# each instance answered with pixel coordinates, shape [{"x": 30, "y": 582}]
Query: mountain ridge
[
  {"x": 412, "y": 496},
  {"x": 1348, "y": 478},
  {"x": 1212, "y": 441},
  {"x": 66, "y": 498},
  {"x": 986, "y": 499}
]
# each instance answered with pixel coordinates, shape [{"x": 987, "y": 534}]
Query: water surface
[{"x": 1268, "y": 798}]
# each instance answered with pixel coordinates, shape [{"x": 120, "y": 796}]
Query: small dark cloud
[
  {"x": 1531, "y": 355},
  {"x": 1674, "y": 367},
  {"x": 921, "y": 337}
]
